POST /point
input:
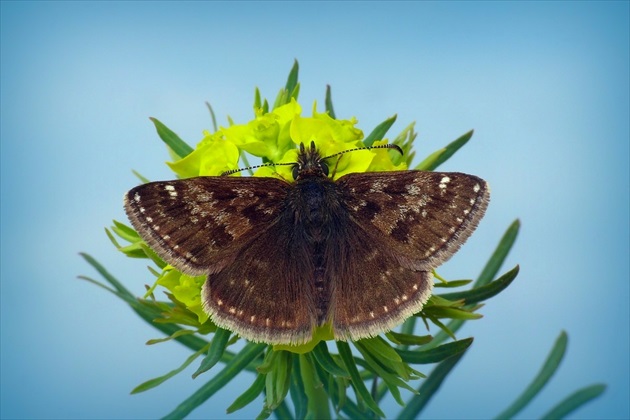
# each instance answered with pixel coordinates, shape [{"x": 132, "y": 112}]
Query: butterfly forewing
[
  {"x": 423, "y": 217},
  {"x": 199, "y": 224}
]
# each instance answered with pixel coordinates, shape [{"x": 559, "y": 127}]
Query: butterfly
[{"x": 283, "y": 258}]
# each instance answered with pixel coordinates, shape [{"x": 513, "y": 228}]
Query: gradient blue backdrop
[{"x": 544, "y": 85}]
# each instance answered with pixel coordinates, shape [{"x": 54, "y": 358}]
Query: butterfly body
[{"x": 283, "y": 258}]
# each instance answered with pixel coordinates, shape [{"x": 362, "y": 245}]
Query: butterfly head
[{"x": 309, "y": 163}]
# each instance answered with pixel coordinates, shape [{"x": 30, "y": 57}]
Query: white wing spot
[
  {"x": 136, "y": 197},
  {"x": 476, "y": 188},
  {"x": 232, "y": 310},
  {"x": 142, "y": 210},
  {"x": 472, "y": 201},
  {"x": 268, "y": 322},
  {"x": 169, "y": 188},
  {"x": 397, "y": 301},
  {"x": 173, "y": 194},
  {"x": 219, "y": 302},
  {"x": 445, "y": 180},
  {"x": 385, "y": 309},
  {"x": 372, "y": 314},
  {"x": 466, "y": 211},
  {"x": 404, "y": 298},
  {"x": 415, "y": 287},
  {"x": 252, "y": 318},
  {"x": 424, "y": 213},
  {"x": 459, "y": 220},
  {"x": 166, "y": 237},
  {"x": 156, "y": 227},
  {"x": 150, "y": 219}
]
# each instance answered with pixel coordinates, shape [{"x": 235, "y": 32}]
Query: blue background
[{"x": 544, "y": 85}]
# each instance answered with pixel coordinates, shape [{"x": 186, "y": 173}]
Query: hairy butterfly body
[{"x": 283, "y": 258}]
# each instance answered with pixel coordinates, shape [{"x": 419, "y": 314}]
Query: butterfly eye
[
  {"x": 295, "y": 171},
  {"x": 324, "y": 167}
]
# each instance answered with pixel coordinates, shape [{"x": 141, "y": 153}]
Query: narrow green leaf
[
  {"x": 449, "y": 151},
  {"x": 170, "y": 337},
  {"x": 314, "y": 387},
  {"x": 282, "y": 411},
  {"x": 297, "y": 390},
  {"x": 257, "y": 99},
  {"x": 172, "y": 140},
  {"x": 357, "y": 382},
  {"x": 328, "y": 103},
  {"x": 292, "y": 79},
  {"x": 453, "y": 284},
  {"x": 391, "y": 380},
  {"x": 408, "y": 339},
  {"x": 451, "y": 313},
  {"x": 249, "y": 395},
  {"x": 219, "y": 343},
  {"x": 547, "y": 371},
  {"x": 248, "y": 354},
  {"x": 436, "y": 354},
  {"x": 323, "y": 357},
  {"x": 212, "y": 116},
  {"x": 110, "y": 279},
  {"x": 138, "y": 175},
  {"x": 575, "y": 401},
  {"x": 428, "y": 388},
  {"x": 499, "y": 255},
  {"x": 376, "y": 345},
  {"x": 379, "y": 131},
  {"x": 152, "y": 383},
  {"x": 479, "y": 294}
]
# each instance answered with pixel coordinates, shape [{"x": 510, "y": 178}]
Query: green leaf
[
  {"x": 152, "y": 383},
  {"x": 479, "y": 294},
  {"x": 323, "y": 357},
  {"x": 292, "y": 79},
  {"x": 408, "y": 339},
  {"x": 138, "y": 175},
  {"x": 328, "y": 103},
  {"x": 499, "y": 255},
  {"x": 379, "y": 131},
  {"x": 447, "y": 152},
  {"x": 451, "y": 313},
  {"x": 547, "y": 371},
  {"x": 212, "y": 116},
  {"x": 219, "y": 343},
  {"x": 429, "y": 387},
  {"x": 249, "y": 395},
  {"x": 248, "y": 354},
  {"x": 453, "y": 283},
  {"x": 436, "y": 354},
  {"x": 172, "y": 140},
  {"x": 317, "y": 394},
  {"x": 357, "y": 383},
  {"x": 297, "y": 390},
  {"x": 575, "y": 401},
  {"x": 392, "y": 381}
]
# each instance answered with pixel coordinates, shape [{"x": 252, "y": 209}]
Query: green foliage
[{"x": 322, "y": 382}]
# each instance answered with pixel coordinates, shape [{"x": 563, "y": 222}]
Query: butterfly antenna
[
  {"x": 382, "y": 146},
  {"x": 247, "y": 168}
]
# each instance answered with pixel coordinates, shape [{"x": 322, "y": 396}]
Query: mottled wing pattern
[
  {"x": 421, "y": 217},
  {"x": 267, "y": 294},
  {"x": 371, "y": 291},
  {"x": 199, "y": 225}
]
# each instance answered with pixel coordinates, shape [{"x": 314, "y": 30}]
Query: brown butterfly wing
[
  {"x": 198, "y": 225},
  {"x": 423, "y": 217},
  {"x": 401, "y": 225},
  {"x": 231, "y": 229}
]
